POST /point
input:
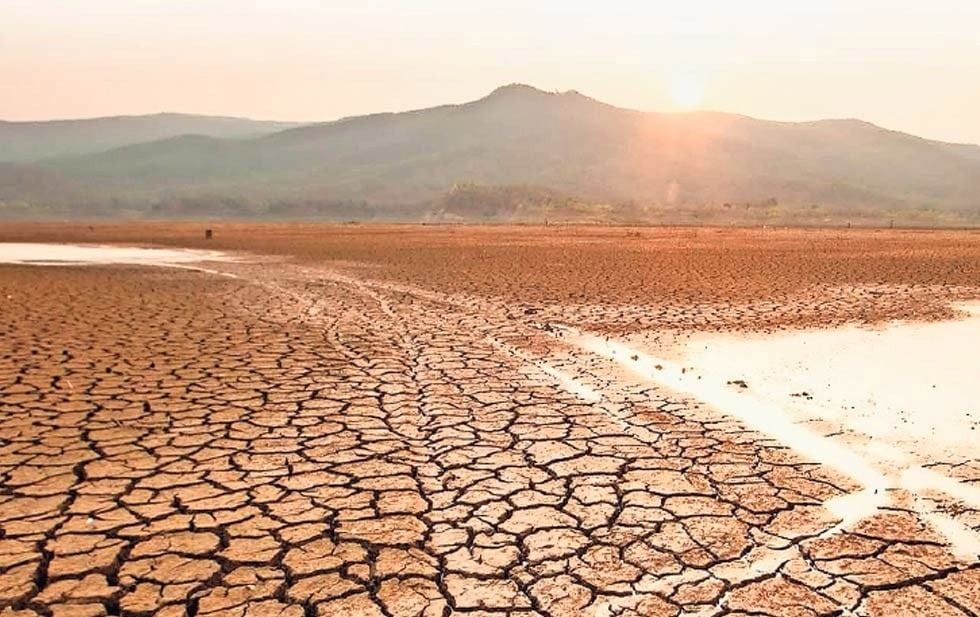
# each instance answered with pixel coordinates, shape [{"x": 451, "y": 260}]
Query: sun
[{"x": 686, "y": 90}]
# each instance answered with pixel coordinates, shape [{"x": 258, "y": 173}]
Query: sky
[{"x": 909, "y": 66}]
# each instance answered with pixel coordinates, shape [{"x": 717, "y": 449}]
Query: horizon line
[{"x": 513, "y": 85}]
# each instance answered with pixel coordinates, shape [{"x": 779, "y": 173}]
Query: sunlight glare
[{"x": 686, "y": 90}]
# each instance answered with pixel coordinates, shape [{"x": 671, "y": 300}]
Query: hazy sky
[{"x": 911, "y": 66}]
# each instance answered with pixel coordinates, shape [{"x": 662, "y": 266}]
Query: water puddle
[
  {"x": 877, "y": 405},
  {"x": 911, "y": 387},
  {"x": 40, "y": 254}
]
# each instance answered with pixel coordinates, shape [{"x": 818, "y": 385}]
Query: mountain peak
[
  {"x": 515, "y": 89},
  {"x": 524, "y": 92}
]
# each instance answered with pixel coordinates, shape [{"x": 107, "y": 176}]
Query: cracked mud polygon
[{"x": 394, "y": 421}]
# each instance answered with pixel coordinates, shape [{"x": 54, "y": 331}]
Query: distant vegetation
[
  {"x": 474, "y": 202},
  {"x": 517, "y": 155}
]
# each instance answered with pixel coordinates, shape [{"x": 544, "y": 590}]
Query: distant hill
[
  {"x": 566, "y": 144},
  {"x": 33, "y": 141},
  {"x": 967, "y": 150}
]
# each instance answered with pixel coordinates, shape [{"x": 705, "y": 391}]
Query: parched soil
[
  {"x": 616, "y": 279},
  {"x": 383, "y": 421}
]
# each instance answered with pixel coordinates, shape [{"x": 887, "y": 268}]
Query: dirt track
[{"x": 388, "y": 426}]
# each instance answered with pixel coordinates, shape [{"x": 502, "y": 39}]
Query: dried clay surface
[{"x": 363, "y": 420}]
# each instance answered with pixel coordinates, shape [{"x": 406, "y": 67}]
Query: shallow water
[
  {"x": 878, "y": 405},
  {"x": 914, "y": 388},
  {"x": 40, "y": 254}
]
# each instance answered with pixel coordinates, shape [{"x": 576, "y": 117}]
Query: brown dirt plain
[{"x": 369, "y": 423}]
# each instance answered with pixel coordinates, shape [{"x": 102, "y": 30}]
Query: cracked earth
[{"x": 325, "y": 437}]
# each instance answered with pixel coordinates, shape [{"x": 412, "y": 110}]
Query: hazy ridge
[
  {"x": 33, "y": 141},
  {"x": 530, "y": 153}
]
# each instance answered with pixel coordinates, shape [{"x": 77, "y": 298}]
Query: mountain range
[
  {"x": 32, "y": 141},
  {"x": 518, "y": 153}
]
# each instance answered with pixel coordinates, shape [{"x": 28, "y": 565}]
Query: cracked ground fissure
[{"x": 302, "y": 442}]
